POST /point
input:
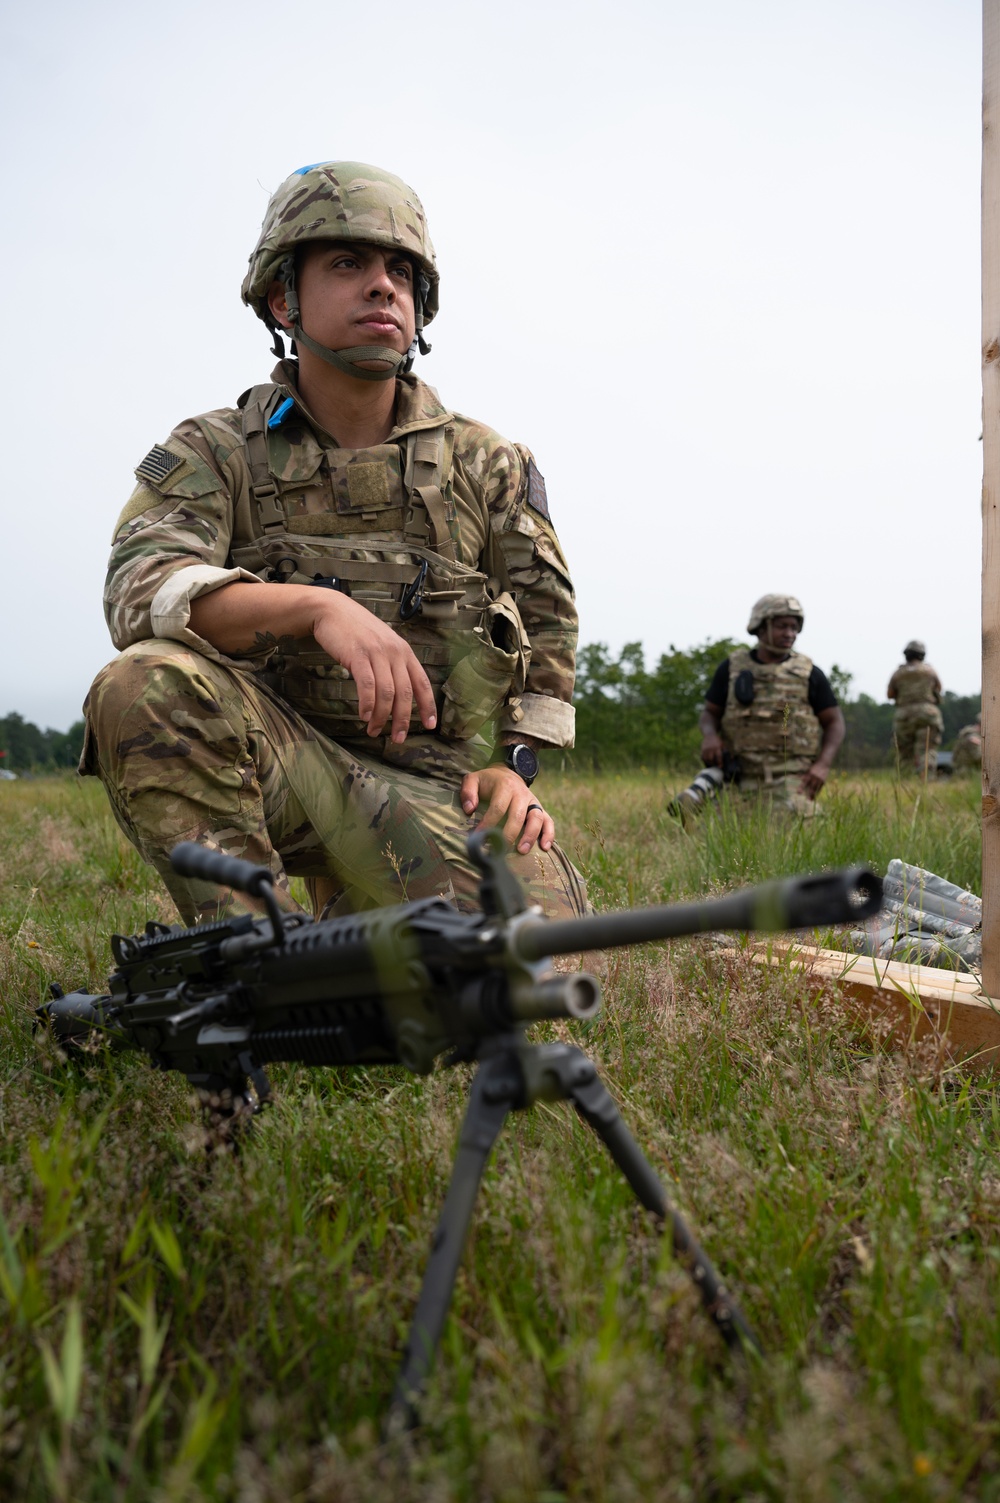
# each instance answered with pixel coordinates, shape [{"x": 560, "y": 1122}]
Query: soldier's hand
[
  {"x": 381, "y": 663},
  {"x": 507, "y": 794},
  {"x": 712, "y": 750},
  {"x": 813, "y": 780}
]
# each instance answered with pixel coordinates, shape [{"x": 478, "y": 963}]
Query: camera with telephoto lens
[{"x": 705, "y": 787}]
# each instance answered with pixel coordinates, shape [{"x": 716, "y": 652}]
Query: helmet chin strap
[{"x": 348, "y": 360}]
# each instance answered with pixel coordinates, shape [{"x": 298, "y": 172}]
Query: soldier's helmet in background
[
  {"x": 915, "y": 649},
  {"x": 769, "y": 606},
  {"x": 341, "y": 201}
]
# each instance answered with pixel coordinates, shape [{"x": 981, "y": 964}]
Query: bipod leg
[
  {"x": 227, "y": 1106},
  {"x": 496, "y": 1090},
  {"x": 597, "y": 1108}
]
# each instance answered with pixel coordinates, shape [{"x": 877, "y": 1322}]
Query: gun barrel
[
  {"x": 839, "y": 897},
  {"x": 577, "y": 995}
]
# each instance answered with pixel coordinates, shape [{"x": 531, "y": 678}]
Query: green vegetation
[
  {"x": 23, "y": 746},
  {"x": 178, "y": 1328},
  {"x": 629, "y": 716}
]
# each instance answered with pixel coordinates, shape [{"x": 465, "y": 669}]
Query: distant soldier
[
  {"x": 773, "y": 711},
  {"x": 967, "y": 753},
  {"x": 917, "y": 725}
]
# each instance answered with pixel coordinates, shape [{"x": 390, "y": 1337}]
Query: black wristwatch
[{"x": 522, "y": 760}]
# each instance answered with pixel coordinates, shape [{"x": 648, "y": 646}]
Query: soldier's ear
[{"x": 277, "y": 304}]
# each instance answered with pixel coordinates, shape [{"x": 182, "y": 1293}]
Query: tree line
[
  {"x": 25, "y": 748},
  {"x": 627, "y": 715}
]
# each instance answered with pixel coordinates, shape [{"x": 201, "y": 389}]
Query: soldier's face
[
  {"x": 780, "y": 632},
  {"x": 352, "y": 295}
]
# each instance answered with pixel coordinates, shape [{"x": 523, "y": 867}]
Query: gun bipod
[{"x": 512, "y": 1076}]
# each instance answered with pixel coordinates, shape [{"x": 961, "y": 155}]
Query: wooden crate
[{"x": 916, "y": 1001}]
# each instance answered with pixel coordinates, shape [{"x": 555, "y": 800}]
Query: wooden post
[{"x": 991, "y": 496}]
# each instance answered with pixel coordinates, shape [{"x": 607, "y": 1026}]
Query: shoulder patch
[
  {"x": 141, "y": 500},
  {"x": 537, "y": 498},
  {"x": 158, "y": 464}
]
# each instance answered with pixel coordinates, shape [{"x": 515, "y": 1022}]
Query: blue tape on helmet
[{"x": 301, "y": 171}]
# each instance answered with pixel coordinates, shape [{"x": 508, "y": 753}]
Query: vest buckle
[{"x": 413, "y": 595}]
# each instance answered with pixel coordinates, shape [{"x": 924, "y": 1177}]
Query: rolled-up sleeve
[
  {"x": 171, "y": 544},
  {"x": 540, "y": 577},
  {"x": 529, "y": 550}
]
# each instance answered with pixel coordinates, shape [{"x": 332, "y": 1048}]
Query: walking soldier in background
[
  {"x": 771, "y": 713},
  {"x": 345, "y": 620},
  {"x": 917, "y": 724}
]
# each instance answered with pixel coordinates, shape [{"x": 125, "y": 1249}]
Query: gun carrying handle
[{"x": 189, "y": 859}]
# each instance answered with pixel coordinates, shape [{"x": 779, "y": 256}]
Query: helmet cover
[
  {"x": 341, "y": 201},
  {"x": 915, "y": 649},
  {"x": 769, "y": 606}
]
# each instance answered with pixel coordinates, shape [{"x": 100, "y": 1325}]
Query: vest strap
[
  {"x": 428, "y": 463},
  {"x": 263, "y": 488}
]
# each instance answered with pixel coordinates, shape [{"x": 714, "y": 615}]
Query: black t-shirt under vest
[{"x": 821, "y": 695}]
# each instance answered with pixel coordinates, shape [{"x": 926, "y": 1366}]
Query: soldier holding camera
[{"x": 771, "y": 723}]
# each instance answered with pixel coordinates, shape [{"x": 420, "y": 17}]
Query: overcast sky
[{"x": 717, "y": 265}]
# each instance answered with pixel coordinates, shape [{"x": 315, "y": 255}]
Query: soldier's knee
[
  {"x": 150, "y": 679},
  {"x": 552, "y": 881}
]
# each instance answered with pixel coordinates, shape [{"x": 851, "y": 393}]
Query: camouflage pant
[
  {"x": 783, "y": 794},
  {"x": 189, "y": 749},
  {"x": 917, "y": 739}
]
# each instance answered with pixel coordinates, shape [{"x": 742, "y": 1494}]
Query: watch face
[{"x": 524, "y": 762}]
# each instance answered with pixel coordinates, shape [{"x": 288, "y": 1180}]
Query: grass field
[{"x": 176, "y": 1328}]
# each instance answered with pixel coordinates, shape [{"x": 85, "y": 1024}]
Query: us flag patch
[
  {"x": 537, "y": 499},
  {"x": 157, "y": 464}
]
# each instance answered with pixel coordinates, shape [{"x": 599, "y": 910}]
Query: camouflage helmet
[
  {"x": 769, "y": 606},
  {"x": 915, "y": 649},
  {"x": 341, "y": 201}
]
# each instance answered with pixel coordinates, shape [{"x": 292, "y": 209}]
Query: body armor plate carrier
[
  {"x": 380, "y": 524},
  {"x": 915, "y": 698},
  {"x": 776, "y": 733}
]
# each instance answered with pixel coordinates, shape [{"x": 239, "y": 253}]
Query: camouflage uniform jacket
[
  {"x": 176, "y": 537},
  {"x": 968, "y": 748},
  {"x": 916, "y": 689}
]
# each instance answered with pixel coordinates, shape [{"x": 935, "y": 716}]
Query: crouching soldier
[
  {"x": 771, "y": 718},
  {"x": 967, "y": 753},
  {"x": 344, "y": 618}
]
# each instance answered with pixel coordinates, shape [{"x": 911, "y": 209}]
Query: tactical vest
[
  {"x": 773, "y": 731},
  {"x": 915, "y": 685},
  {"x": 380, "y": 525}
]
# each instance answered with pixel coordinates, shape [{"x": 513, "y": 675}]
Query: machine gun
[{"x": 405, "y": 985}]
